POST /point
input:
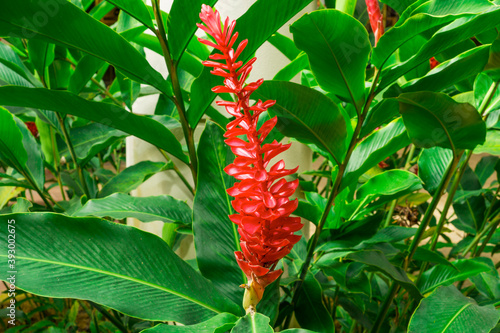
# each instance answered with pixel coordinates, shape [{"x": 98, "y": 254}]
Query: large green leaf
[
  {"x": 455, "y": 32},
  {"x": 49, "y": 21},
  {"x": 491, "y": 145},
  {"x": 182, "y": 24},
  {"x": 310, "y": 311},
  {"x": 253, "y": 323},
  {"x": 89, "y": 140},
  {"x": 432, "y": 165},
  {"x": 440, "y": 275},
  {"x": 447, "y": 310},
  {"x": 285, "y": 45},
  {"x": 133, "y": 176},
  {"x": 423, "y": 17},
  {"x": 136, "y": 9},
  {"x": 34, "y": 165},
  {"x": 104, "y": 113},
  {"x": 375, "y": 148},
  {"x": 451, "y": 72},
  {"x": 385, "y": 111},
  {"x": 218, "y": 324},
  {"x": 307, "y": 115},
  {"x": 435, "y": 119},
  {"x": 85, "y": 69},
  {"x": 147, "y": 209},
  {"x": 338, "y": 47},
  {"x": 216, "y": 237},
  {"x": 111, "y": 264},
  {"x": 259, "y": 22}
]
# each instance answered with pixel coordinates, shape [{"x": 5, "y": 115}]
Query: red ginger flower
[
  {"x": 376, "y": 20},
  {"x": 262, "y": 195}
]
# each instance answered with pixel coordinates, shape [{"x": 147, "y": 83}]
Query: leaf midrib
[
  {"x": 121, "y": 276},
  {"x": 462, "y": 309}
]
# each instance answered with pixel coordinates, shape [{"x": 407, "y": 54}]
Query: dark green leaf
[
  {"x": 435, "y": 119},
  {"x": 254, "y": 323},
  {"x": 104, "y": 113},
  {"x": 447, "y": 310},
  {"x": 133, "y": 176},
  {"x": 382, "y": 113},
  {"x": 119, "y": 257},
  {"x": 34, "y": 165},
  {"x": 85, "y": 69},
  {"x": 146, "y": 209},
  {"x": 432, "y": 165},
  {"x": 136, "y": 9},
  {"x": 338, "y": 47},
  {"x": 310, "y": 311},
  {"x": 485, "y": 168},
  {"x": 215, "y": 236},
  {"x": 307, "y": 115},
  {"x": 22, "y": 19}
]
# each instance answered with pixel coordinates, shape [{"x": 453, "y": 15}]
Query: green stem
[
  {"x": 430, "y": 210},
  {"x": 108, "y": 316},
  {"x": 56, "y": 162},
  {"x": 492, "y": 227},
  {"x": 73, "y": 155},
  {"x": 388, "y": 218},
  {"x": 178, "y": 172},
  {"x": 178, "y": 100},
  {"x": 487, "y": 99},
  {"x": 385, "y": 308},
  {"x": 106, "y": 92}
]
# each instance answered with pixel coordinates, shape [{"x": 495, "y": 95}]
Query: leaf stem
[
  {"x": 178, "y": 172},
  {"x": 177, "y": 98}
]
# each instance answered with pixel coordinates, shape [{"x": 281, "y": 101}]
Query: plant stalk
[
  {"x": 178, "y": 100},
  {"x": 178, "y": 172}
]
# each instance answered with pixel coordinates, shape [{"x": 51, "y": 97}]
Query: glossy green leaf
[
  {"x": 447, "y": 310},
  {"x": 104, "y": 113},
  {"x": 11, "y": 60},
  {"x": 485, "y": 168},
  {"x": 146, "y": 209},
  {"x": 391, "y": 234},
  {"x": 378, "y": 260},
  {"x": 41, "y": 55},
  {"x": 253, "y": 323},
  {"x": 455, "y": 32},
  {"x": 119, "y": 257},
  {"x": 435, "y": 119},
  {"x": 88, "y": 140},
  {"x": 270, "y": 19},
  {"x": 133, "y": 176},
  {"x": 432, "y": 165},
  {"x": 136, "y": 9},
  {"x": 375, "y": 148},
  {"x": 22, "y": 19},
  {"x": 285, "y": 45},
  {"x": 12, "y": 151},
  {"x": 491, "y": 144},
  {"x": 338, "y": 47},
  {"x": 307, "y": 115},
  {"x": 400, "y": 5},
  {"x": 218, "y": 324},
  {"x": 34, "y": 169},
  {"x": 216, "y": 237},
  {"x": 382, "y": 113},
  {"x": 310, "y": 311},
  {"x": 444, "y": 275},
  {"x": 182, "y": 24},
  {"x": 21, "y": 206},
  {"x": 389, "y": 183},
  {"x": 451, "y": 72},
  {"x": 470, "y": 210},
  {"x": 129, "y": 89}
]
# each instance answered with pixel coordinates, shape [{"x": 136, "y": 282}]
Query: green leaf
[
  {"x": 338, "y": 47},
  {"x": 21, "y": 206},
  {"x": 104, "y": 113},
  {"x": 451, "y": 72},
  {"x": 128, "y": 263},
  {"x": 435, "y": 119},
  {"x": 382, "y": 113},
  {"x": 293, "y": 68},
  {"x": 422, "y": 17},
  {"x": 307, "y": 115},
  {"x": 34, "y": 168},
  {"x": 89, "y": 140},
  {"x": 270, "y": 18},
  {"x": 218, "y": 324},
  {"x": 447, "y": 310},
  {"x": 133, "y": 176},
  {"x": 375, "y": 148},
  {"x": 389, "y": 183},
  {"x": 129, "y": 89},
  {"x": 253, "y": 323},
  {"x": 391, "y": 234},
  {"x": 378, "y": 260},
  {"x": 310, "y": 311},
  {"x": 455, "y": 32},
  {"x": 137, "y": 9},
  {"x": 21, "y": 19},
  {"x": 491, "y": 144},
  {"x": 146, "y": 209},
  {"x": 285, "y": 45},
  {"x": 12, "y": 151},
  {"x": 182, "y": 24},
  {"x": 216, "y": 237},
  {"x": 41, "y": 55},
  {"x": 444, "y": 275},
  {"x": 485, "y": 168},
  {"x": 297, "y": 330},
  {"x": 432, "y": 165}
]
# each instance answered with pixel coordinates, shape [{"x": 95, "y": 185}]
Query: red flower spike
[
  {"x": 262, "y": 195},
  {"x": 376, "y": 19}
]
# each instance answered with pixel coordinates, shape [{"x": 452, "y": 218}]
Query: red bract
[
  {"x": 433, "y": 62},
  {"x": 376, "y": 20},
  {"x": 262, "y": 195},
  {"x": 32, "y": 127}
]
